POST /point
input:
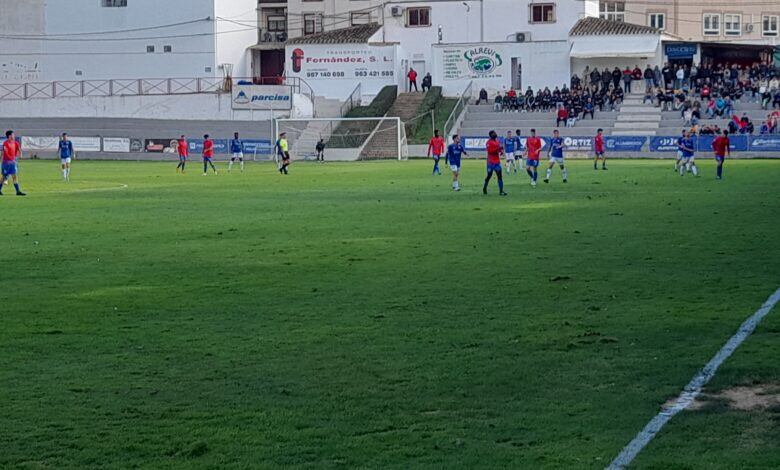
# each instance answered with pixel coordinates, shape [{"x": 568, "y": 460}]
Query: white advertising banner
[
  {"x": 475, "y": 62},
  {"x": 262, "y": 97},
  {"x": 40, "y": 143},
  {"x": 86, "y": 144},
  {"x": 341, "y": 62},
  {"x": 116, "y": 144}
]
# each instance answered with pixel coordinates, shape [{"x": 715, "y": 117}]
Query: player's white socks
[
  {"x": 549, "y": 173},
  {"x": 682, "y": 170},
  {"x": 230, "y": 166},
  {"x": 455, "y": 185},
  {"x": 65, "y": 175},
  {"x": 694, "y": 170},
  {"x": 242, "y": 165},
  {"x": 565, "y": 173}
]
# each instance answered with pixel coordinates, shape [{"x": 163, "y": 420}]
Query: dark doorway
[{"x": 271, "y": 66}]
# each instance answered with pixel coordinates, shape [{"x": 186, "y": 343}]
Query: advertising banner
[
  {"x": 136, "y": 145},
  {"x": 737, "y": 143},
  {"x": 262, "y": 97},
  {"x": 624, "y": 143},
  {"x": 680, "y": 50},
  {"x": 86, "y": 144},
  {"x": 478, "y": 143},
  {"x": 220, "y": 146},
  {"x": 478, "y": 62},
  {"x": 161, "y": 146},
  {"x": 40, "y": 143},
  {"x": 667, "y": 143},
  {"x": 116, "y": 144},
  {"x": 341, "y": 61},
  {"x": 258, "y": 146},
  {"x": 765, "y": 143}
]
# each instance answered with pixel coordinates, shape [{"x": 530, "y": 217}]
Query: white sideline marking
[
  {"x": 86, "y": 190},
  {"x": 692, "y": 390}
]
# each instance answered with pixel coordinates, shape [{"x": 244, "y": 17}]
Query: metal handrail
[
  {"x": 142, "y": 87},
  {"x": 459, "y": 107},
  {"x": 354, "y": 99}
]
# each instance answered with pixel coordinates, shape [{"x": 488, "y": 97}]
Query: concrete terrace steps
[
  {"x": 384, "y": 143},
  {"x": 576, "y": 131}
]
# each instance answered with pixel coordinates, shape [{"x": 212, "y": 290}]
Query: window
[
  {"x": 542, "y": 13},
  {"x": 769, "y": 25},
  {"x": 312, "y": 23},
  {"x": 615, "y": 11},
  {"x": 418, "y": 17},
  {"x": 113, "y": 3},
  {"x": 711, "y": 24},
  {"x": 150, "y": 49},
  {"x": 732, "y": 25},
  {"x": 277, "y": 23},
  {"x": 359, "y": 18},
  {"x": 167, "y": 48},
  {"x": 657, "y": 20}
]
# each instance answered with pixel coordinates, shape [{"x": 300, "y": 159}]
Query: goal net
[{"x": 345, "y": 138}]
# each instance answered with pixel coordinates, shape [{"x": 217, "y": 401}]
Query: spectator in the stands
[
  {"x": 616, "y": 75},
  {"x": 606, "y": 78},
  {"x": 679, "y": 75},
  {"x": 720, "y": 107},
  {"x": 575, "y": 82},
  {"x": 649, "y": 74},
  {"x": 561, "y": 116},
  {"x": 586, "y": 77},
  {"x": 668, "y": 75},
  {"x": 595, "y": 77},
  {"x": 627, "y": 78},
  {"x": 657, "y": 77},
  {"x": 705, "y": 92},
  {"x": 746, "y": 125},
  {"x": 649, "y": 91},
  {"x": 498, "y": 102},
  {"x": 710, "y": 111},
  {"x": 412, "y": 76},
  {"x": 483, "y": 96},
  {"x": 589, "y": 108},
  {"x": 636, "y": 75},
  {"x": 427, "y": 82},
  {"x": 776, "y": 100}
]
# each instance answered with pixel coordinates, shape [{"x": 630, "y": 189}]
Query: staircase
[
  {"x": 384, "y": 143},
  {"x": 636, "y": 118},
  {"x": 306, "y": 139}
]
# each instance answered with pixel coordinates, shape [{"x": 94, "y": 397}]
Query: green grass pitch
[{"x": 364, "y": 315}]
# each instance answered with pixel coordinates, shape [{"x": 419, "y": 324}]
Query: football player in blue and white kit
[
  {"x": 510, "y": 145},
  {"x": 556, "y": 156},
  {"x": 454, "y": 152},
  {"x": 688, "y": 150},
  {"x": 679, "y": 159},
  {"x": 518, "y": 151},
  {"x": 65, "y": 151},
  {"x": 237, "y": 148}
]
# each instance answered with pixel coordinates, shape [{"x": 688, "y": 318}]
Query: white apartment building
[{"x": 120, "y": 39}]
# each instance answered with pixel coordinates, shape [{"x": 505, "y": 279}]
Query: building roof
[
  {"x": 591, "y": 26},
  {"x": 354, "y": 34}
]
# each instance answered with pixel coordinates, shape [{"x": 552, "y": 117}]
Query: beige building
[{"x": 755, "y": 22}]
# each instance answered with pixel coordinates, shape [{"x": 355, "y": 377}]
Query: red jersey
[
  {"x": 184, "y": 148},
  {"x": 720, "y": 145},
  {"x": 412, "y": 75},
  {"x": 208, "y": 148},
  {"x": 598, "y": 143},
  {"x": 437, "y": 145},
  {"x": 534, "y": 147},
  {"x": 11, "y": 150},
  {"x": 494, "y": 151}
]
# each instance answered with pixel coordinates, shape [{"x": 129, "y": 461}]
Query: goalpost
[{"x": 346, "y": 139}]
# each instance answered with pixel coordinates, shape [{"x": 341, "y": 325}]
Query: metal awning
[{"x": 589, "y": 47}]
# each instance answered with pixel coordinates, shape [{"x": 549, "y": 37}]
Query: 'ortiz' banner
[{"x": 765, "y": 143}]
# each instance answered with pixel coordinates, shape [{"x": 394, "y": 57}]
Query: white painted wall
[
  {"x": 197, "y": 51},
  {"x": 543, "y": 64},
  {"x": 578, "y": 65},
  {"x": 212, "y": 107}
]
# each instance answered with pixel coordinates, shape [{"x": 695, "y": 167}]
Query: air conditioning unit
[
  {"x": 397, "y": 11},
  {"x": 749, "y": 27},
  {"x": 522, "y": 37}
]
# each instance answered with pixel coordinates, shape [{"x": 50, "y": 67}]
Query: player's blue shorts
[
  {"x": 436, "y": 157},
  {"x": 207, "y": 159},
  {"x": 494, "y": 167},
  {"x": 9, "y": 168},
  {"x": 182, "y": 158},
  {"x": 719, "y": 158},
  {"x": 533, "y": 163},
  {"x": 599, "y": 154}
]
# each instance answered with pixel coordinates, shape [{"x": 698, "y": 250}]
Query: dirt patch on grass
[{"x": 743, "y": 398}]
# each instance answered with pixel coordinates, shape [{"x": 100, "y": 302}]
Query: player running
[
  {"x": 598, "y": 151},
  {"x": 533, "y": 148},
  {"x": 283, "y": 153},
  {"x": 436, "y": 146},
  {"x": 494, "y": 151},
  {"x": 556, "y": 156},
  {"x": 237, "y": 148},
  {"x": 183, "y": 148},
  {"x": 454, "y": 152},
  {"x": 208, "y": 155},
  {"x": 11, "y": 151},
  {"x": 65, "y": 151},
  {"x": 518, "y": 151},
  {"x": 687, "y": 148},
  {"x": 679, "y": 159},
  {"x": 722, "y": 148},
  {"x": 509, "y": 152}
]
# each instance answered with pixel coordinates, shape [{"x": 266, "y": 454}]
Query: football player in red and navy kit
[
  {"x": 494, "y": 152},
  {"x": 533, "y": 148},
  {"x": 184, "y": 151},
  {"x": 11, "y": 151},
  {"x": 722, "y": 147},
  {"x": 598, "y": 150},
  {"x": 208, "y": 154},
  {"x": 436, "y": 147}
]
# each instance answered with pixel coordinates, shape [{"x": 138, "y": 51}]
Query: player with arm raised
[
  {"x": 65, "y": 151},
  {"x": 11, "y": 151},
  {"x": 454, "y": 152},
  {"x": 494, "y": 152},
  {"x": 556, "y": 157}
]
